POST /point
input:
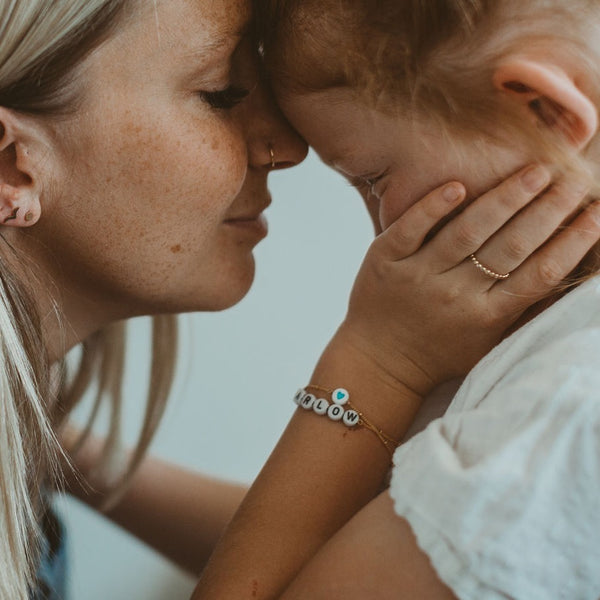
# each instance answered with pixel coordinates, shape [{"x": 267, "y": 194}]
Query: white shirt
[{"x": 503, "y": 491}]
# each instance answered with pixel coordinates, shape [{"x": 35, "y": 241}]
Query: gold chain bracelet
[{"x": 351, "y": 417}]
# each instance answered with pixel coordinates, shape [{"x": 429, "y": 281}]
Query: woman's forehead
[
  {"x": 171, "y": 38},
  {"x": 195, "y": 25}
]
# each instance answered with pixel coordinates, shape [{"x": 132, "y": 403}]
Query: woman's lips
[
  {"x": 255, "y": 225},
  {"x": 249, "y": 219}
]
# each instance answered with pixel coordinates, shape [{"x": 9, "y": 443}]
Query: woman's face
[
  {"x": 161, "y": 186},
  {"x": 393, "y": 160}
]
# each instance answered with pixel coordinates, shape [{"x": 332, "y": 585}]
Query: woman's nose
[{"x": 272, "y": 142}]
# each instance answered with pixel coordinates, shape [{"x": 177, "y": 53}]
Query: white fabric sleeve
[{"x": 504, "y": 497}]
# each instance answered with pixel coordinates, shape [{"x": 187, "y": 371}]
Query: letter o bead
[{"x": 335, "y": 412}]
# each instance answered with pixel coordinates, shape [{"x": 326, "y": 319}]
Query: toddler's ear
[{"x": 551, "y": 97}]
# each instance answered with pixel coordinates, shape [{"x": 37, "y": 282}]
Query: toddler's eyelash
[
  {"x": 367, "y": 181},
  {"x": 227, "y": 98}
]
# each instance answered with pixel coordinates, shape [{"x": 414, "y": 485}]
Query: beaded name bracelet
[{"x": 341, "y": 409}]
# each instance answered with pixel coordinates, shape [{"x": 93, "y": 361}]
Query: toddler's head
[{"x": 403, "y": 95}]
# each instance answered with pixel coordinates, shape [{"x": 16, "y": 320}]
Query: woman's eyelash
[{"x": 225, "y": 99}]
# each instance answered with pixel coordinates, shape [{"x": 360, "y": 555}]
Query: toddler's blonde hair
[
  {"x": 430, "y": 58},
  {"x": 434, "y": 60}
]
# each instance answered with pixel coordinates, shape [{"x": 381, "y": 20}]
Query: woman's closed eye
[{"x": 225, "y": 99}]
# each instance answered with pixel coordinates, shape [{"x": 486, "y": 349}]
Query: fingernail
[
  {"x": 535, "y": 178},
  {"x": 452, "y": 192}
]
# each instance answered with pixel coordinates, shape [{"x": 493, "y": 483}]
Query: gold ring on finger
[{"x": 487, "y": 270}]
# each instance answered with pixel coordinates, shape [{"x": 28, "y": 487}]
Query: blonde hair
[{"x": 41, "y": 44}]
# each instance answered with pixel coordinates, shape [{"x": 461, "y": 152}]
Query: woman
[
  {"x": 498, "y": 498},
  {"x": 129, "y": 187},
  {"x": 134, "y": 182}
]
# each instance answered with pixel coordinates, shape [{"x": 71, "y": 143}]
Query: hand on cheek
[{"x": 425, "y": 312}]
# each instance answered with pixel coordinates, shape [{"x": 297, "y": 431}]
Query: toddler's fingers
[
  {"x": 465, "y": 234},
  {"x": 407, "y": 234},
  {"x": 551, "y": 264}
]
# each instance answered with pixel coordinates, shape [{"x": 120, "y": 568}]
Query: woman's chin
[
  {"x": 214, "y": 290},
  {"x": 231, "y": 288},
  {"x": 230, "y": 301}
]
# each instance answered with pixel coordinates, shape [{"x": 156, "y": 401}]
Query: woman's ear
[
  {"x": 20, "y": 178},
  {"x": 551, "y": 96}
]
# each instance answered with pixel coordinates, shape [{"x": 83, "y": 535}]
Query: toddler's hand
[{"x": 427, "y": 311}]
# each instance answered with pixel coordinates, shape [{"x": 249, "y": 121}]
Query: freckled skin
[{"x": 146, "y": 172}]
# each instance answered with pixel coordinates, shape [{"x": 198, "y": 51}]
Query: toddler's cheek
[
  {"x": 373, "y": 208},
  {"x": 392, "y": 206}
]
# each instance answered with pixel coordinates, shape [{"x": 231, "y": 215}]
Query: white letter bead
[
  {"x": 335, "y": 412},
  {"x": 351, "y": 418},
  {"x": 340, "y": 396},
  {"x": 299, "y": 395},
  {"x": 320, "y": 406},
  {"x": 308, "y": 401}
]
